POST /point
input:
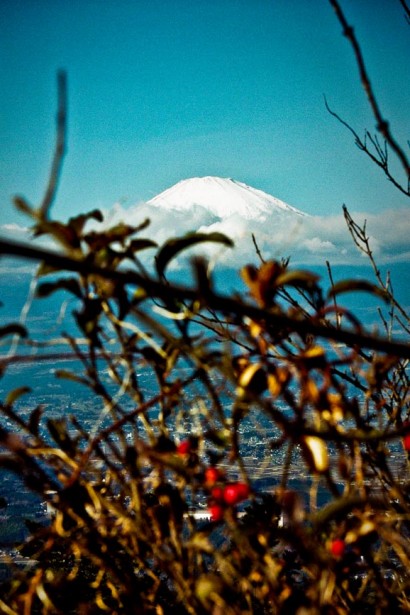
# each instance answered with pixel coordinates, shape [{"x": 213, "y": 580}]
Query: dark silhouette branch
[
  {"x": 406, "y": 9},
  {"x": 380, "y": 158},
  {"x": 382, "y": 124},
  {"x": 258, "y": 252},
  {"x": 60, "y": 147},
  {"x": 361, "y": 239},
  {"x": 214, "y": 301}
]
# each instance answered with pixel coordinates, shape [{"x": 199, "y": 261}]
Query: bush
[
  {"x": 329, "y": 405},
  {"x": 318, "y": 522}
]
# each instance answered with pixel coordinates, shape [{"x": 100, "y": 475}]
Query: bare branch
[
  {"x": 382, "y": 124},
  {"x": 406, "y": 9},
  {"x": 362, "y": 241},
  {"x": 214, "y": 301},
  {"x": 381, "y": 157},
  {"x": 258, "y": 252},
  {"x": 60, "y": 147}
]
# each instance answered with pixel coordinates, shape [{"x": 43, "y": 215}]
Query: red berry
[
  {"x": 212, "y": 476},
  {"x": 216, "y": 511},
  {"x": 217, "y": 493},
  {"x": 406, "y": 442},
  {"x": 243, "y": 490},
  {"x": 184, "y": 447},
  {"x": 337, "y": 547},
  {"x": 235, "y": 492}
]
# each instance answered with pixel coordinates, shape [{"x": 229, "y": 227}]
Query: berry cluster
[{"x": 223, "y": 494}]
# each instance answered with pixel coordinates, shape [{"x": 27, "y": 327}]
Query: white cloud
[
  {"x": 14, "y": 229},
  {"x": 317, "y": 245},
  {"x": 307, "y": 240}
]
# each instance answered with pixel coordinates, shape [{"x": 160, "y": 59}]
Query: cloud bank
[{"x": 308, "y": 240}]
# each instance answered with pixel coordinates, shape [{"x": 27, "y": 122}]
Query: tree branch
[
  {"x": 406, "y": 9},
  {"x": 381, "y": 159},
  {"x": 214, "y": 301},
  {"x": 382, "y": 124},
  {"x": 60, "y": 147}
]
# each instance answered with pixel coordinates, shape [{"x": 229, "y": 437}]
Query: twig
[
  {"x": 381, "y": 160},
  {"x": 60, "y": 147},
  {"x": 382, "y": 124},
  {"x": 215, "y": 301},
  {"x": 361, "y": 240},
  {"x": 406, "y": 9},
  {"x": 337, "y": 314},
  {"x": 258, "y": 252}
]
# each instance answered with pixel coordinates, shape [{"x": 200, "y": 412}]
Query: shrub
[{"x": 317, "y": 523}]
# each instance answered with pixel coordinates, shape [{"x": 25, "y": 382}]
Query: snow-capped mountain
[
  {"x": 243, "y": 213},
  {"x": 215, "y": 204},
  {"x": 221, "y": 197}
]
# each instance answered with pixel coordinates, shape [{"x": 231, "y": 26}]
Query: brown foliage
[{"x": 318, "y": 522}]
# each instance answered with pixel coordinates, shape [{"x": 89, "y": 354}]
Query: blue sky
[{"x": 164, "y": 90}]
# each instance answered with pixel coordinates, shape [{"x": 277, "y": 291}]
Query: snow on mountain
[
  {"x": 208, "y": 204},
  {"x": 215, "y": 204},
  {"x": 222, "y": 198}
]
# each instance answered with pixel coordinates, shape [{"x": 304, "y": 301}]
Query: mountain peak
[{"x": 222, "y": 197}]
